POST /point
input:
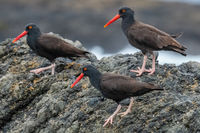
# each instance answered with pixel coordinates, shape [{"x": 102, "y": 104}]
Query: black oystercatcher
[
  {"x": 146, "y": 38},
  {"x": 49, "y": 46},
  {"x": 115, "y": 87}
]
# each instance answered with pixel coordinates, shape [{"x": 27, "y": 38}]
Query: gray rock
[
  {"x": 46, "y": 104},
  {"x": 2, "y": 51}
]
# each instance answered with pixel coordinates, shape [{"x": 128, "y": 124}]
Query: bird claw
[
  {"x": 139, "y": 71},
  {"x": 148, "y": 70},
  {"x": 36, "y": 71},
  {"x": 122, "y": 114},
  {"x": 151, "y": 71},
  {"x": 109, "y": 120}
]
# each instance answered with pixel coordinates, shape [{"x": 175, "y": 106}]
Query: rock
[
  {"x": 2, "y": 51},
  {"x": 44, "y": 103}
]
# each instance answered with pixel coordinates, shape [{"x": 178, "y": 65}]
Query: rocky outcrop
[{"x": 44, "y": 103}]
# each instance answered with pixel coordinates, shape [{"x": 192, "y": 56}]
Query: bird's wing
[
  {"x": 57, "y": 46},
  {"x": 151, "y": 37},
  {"x": 118, "y": 84}
]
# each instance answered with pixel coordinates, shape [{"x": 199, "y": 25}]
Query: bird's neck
[
  {"x": 33, "y": 36},
  {"x": 127, "y": 21},
  {"x": 95, "y": 78}
]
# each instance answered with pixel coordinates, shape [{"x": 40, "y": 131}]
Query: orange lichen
[
  {"x": 36, "y": 80},
  {"x": 16, "y": 85},
  {"x": 15, "y": 49},
  {"x": 195, "y": 85},
  {"x": 31, "y": 88},
  {"x": 168, "y": 73},
  {"x": 85, "y": 86},
  {"x": 69, "y": 65},
  {"x": 33, "y": 64}
]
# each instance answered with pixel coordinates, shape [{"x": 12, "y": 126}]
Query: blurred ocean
[
  {"x": 185, "y": 1},
  {"x": 164, "y": 56}
]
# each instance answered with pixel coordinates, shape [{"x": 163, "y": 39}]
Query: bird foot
[
  {"x": 139, "y": 71},
  {"x": 150, "y": 71},
  {"x": 52, "y": 66},
  {"x": 109, "y": 120},
  {"x": 122, "y": 114},
  {"x": 36, "y": 71}
]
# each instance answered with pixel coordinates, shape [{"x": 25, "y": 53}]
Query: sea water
[{"x": 164, "y": 56}]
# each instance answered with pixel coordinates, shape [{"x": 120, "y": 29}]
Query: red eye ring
[
  {"x": 123, "y": 10},
  {"x": 30, "y": 27}
]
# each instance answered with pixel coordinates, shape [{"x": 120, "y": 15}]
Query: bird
[
  {"x": 48, "y": 46},
  {"x": 146, "y": 37},
  {"x": 115, "y": 87}
]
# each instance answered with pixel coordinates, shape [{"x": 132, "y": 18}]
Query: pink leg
[
  {"x": 141, "y": 70},
  {"x": 53, "y": 69},
  {"x": 110, "y": 119},
  {"x": 128, "y": 110},
  {"x": 52, "y": 66},
  {"x": 152, "y": 70}
]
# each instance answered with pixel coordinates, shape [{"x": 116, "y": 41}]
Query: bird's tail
[
  {"x": 154, "y": 87},
  {"x": 180, "y": 50},
  {"x": 84, "y": 54},
  {"x": 176, "y": 36}
]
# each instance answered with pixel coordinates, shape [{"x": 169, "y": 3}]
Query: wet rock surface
[{"x": 44, "y": 103}]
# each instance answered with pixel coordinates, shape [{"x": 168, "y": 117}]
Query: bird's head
[
  {"x": 123, "y": 13},
  {"x": 87, "y": 70},
  {"x": 30, "y": 28}
]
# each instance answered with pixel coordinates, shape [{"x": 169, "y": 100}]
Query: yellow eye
[
  {"x": 30, "y": 27},
  {"x": 123, "y": 10},
  {"x": 84, "y": 69}
]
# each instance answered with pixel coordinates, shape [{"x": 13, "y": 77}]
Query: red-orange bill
[
  {"x": 77, "y": 80},
  {"x": 112, "y": 20},
  {"x": 20, "y": 36}
]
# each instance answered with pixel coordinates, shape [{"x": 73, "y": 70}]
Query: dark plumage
[
  {"x": 49, "y": 46},
  {"x": 116, "y": 87},
  {"x": 147, "y": 38}
]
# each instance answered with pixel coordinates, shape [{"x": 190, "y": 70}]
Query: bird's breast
[{"x": 31, "y": 44}]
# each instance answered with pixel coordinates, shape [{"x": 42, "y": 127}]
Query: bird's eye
[
  {"x": 123, "y": 10},
  {"x": 30, "y": 27},
  {"x": 84, "y": 69}
]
